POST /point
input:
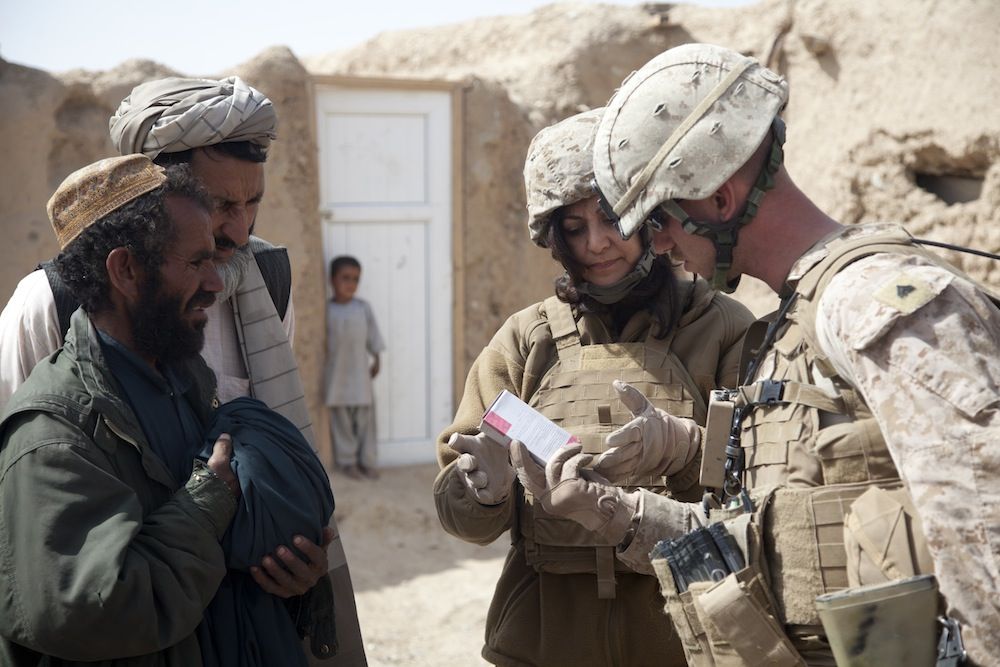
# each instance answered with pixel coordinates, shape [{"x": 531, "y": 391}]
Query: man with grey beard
[{"x": 222, "y": 129}]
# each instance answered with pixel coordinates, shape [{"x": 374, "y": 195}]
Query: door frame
[{"x": 457, "y": 93}]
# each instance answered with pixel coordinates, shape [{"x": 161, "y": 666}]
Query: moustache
[
  {"x": 201, "y": 299},
  {"x": 228, "y": 243},
  {"x": 224, "y": 242}
]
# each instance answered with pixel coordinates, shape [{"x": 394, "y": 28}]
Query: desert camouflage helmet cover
[
  {"x": 681, "y": 126},
  {"x": 559, "y": 169}
]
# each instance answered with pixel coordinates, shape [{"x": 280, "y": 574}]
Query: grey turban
[{"x": 175, "y": 114}]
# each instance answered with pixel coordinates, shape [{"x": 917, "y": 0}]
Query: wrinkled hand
[
  {"x": 293, "y": 575},
  {"x": 484, "y": 467},
  {"x": 653, "y": 443},
  {"x": 565, "y": 491},
  {"x": 219, "y": 463}
]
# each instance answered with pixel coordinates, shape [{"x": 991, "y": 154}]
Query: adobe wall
[
  {"x": 883, "y": 95},
  {"x": 889, "y": 104}
]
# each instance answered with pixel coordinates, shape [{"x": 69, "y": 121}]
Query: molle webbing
[
  {"x": 584, "y": 403},
  {"x": 804, "y": 545},
  {"x": 801, "y": 423},
  {"x": 577, "y": 394}
]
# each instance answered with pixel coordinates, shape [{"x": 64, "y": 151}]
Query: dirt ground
[{"x": 422, "y": 594}]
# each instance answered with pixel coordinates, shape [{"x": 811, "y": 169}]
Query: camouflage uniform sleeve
[
  {"x": 920, "y": 345},
  {"x": 660, "y": 518}
]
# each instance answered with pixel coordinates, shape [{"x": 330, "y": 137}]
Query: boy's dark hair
[
  {"x": 665, "y": 312},
  {"x": 339, "y": 262},
  {"x": 143, "y": 226},
  {"x": 241, "y": 150}
]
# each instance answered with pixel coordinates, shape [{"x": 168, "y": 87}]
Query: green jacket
[{"x": 102, "y": 559}]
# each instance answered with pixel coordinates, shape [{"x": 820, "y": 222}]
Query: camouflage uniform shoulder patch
[
  {"x": 906, "y": 293},
  {"x": 904, "y": 286}
]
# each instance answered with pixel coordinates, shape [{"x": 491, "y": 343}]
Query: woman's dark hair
[
  {"x": 241, "y": 150},
  {"x": 143, "y": 226},
  {"x": 339, "y": 262},
  {"x": 645, "y": 295}
]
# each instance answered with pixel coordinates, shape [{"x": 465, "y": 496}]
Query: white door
[{"x": 385, "y": 180}]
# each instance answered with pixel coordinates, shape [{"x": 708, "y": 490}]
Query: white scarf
[{"x": 271, "y": 366}]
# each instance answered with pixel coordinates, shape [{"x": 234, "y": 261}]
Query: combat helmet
[
  {"x": 679, "y": 128},
  {"x": 559, "y": 171}
]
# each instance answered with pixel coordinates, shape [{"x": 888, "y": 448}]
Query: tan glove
[
  {"x": 654, "y": 443},
  {"x": 484, "y": 467},
  {"x": 564, "y": 492}
]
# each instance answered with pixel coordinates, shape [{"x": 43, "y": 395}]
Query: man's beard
[
  {"x": 158, "y": 329},
  {"x": 232, "y": 272}
]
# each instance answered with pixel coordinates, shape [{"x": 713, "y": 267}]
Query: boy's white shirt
[{"x": 352, "y": 337}]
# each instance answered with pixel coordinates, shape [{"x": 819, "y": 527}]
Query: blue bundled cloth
[{"x": 286, "y": 492}]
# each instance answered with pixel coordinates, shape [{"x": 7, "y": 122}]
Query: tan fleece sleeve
[{"x": 501, "y": 365}]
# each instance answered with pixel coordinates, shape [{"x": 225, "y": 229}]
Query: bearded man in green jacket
[{"x": 109, "y": 527}]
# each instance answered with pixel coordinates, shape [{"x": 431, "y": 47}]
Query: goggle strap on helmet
[{"x": 642, "y": 180}]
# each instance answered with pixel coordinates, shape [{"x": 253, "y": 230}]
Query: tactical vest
[
  {"x": 576, "y": 394},
  {"x": 815, "y": 447},
  {"x": 825, "y": 493}
]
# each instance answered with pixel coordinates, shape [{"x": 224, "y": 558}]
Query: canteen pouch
[{"x": 889, "y": 623}]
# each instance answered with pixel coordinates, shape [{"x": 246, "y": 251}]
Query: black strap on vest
[
  {"x": 66, "y": 305},
  {"x": 276, "y": 270},
  {"x": 273, "y": 261}
]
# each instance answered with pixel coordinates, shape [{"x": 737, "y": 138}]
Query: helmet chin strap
[
  {"x": 725, "y": 235},
  {"x": 609, "y": 294}
]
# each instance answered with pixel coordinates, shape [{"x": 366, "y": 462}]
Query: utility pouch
[
  {"x": 728, "y": 623},
  {"x": 561, "y": 546},
  {"x": 720, "y": 422},
  {"x": 684, "y": 615},
  {"x": 883, "y": 538},
  {"x": 738, "y": 619}
]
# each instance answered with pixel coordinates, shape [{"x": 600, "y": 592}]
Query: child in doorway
[{"x": 353, "y": 346}]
